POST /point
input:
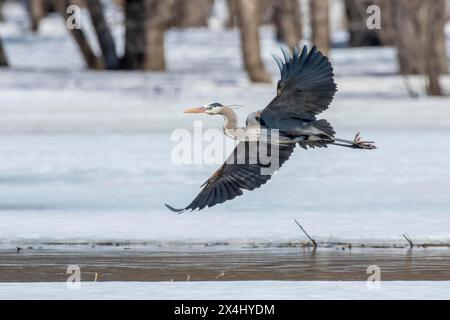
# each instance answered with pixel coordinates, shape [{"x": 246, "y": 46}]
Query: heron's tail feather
[
  {"x": 319, "y": 140},
  {"x": 325, "y": 126}
]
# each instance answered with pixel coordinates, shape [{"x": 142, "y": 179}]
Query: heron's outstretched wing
[
  {"x": 305, "y": 89},
  {"x": 244, "y": 169}
]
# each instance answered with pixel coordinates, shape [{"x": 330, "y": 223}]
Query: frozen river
[
  {"x": 209, "y": 290},
  {"x": 85, "y": 156},
  {"x": 111, "y": 187}
]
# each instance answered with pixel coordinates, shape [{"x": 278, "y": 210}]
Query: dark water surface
[{"x": 141, "y": 264}]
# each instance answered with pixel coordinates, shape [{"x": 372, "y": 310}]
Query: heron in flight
[{"x": 306, "y": 88}]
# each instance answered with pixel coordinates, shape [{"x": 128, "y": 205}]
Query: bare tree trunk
[
  {"x": 134, "y": 34},
  {"x": 266, "y": 12},
  {"x": 405, "y": 30},
  {"x": 1, "y": 13},
  {"x": 3, "y": 61},
  {"x": 232, "y": 13},
  {"x": 50, "y": 6},
  {"x": 37, "y": 12},
  {"x": 320, "y": 25},
  {"x": 89, "y": 56},
  {"x": 297, "y": 19},
  {"x": 249, "y": 25},
  {"x": 436, "y": 24},
  {"x": 288, "y": 22},
  {"x": 410, "y": 18},
  {"x": 191, "y": 13},
  {"x": 386, "y": 33},
  {"x": 434, "y": 50},
  {"x": 103, "y": 33},
  {"x": 434, "y": 86},
  {"x": 360, "y": 35},
  {"x": 158, "y": 17}
]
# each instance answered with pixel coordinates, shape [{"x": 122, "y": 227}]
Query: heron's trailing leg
[{"x": 357, "y": 143}]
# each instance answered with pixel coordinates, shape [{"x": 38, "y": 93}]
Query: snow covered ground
[
  {"x": 85, "y": 156},
  {"x": 210, "y": 290}
]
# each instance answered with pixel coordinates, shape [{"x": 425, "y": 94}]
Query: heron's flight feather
[
  {"x": 305, "y": 89},
  {"x": 279, "y": 62},
  {"x": 238, "y": 173}
]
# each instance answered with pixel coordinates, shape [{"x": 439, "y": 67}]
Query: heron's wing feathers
[
  {"x": 305, "y": 89},
  {"x": 241, "y": 171}
]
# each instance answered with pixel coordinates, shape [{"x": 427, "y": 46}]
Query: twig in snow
[
  {"x": 311, "y": 239},
  {"x": 411, "y": 244}
]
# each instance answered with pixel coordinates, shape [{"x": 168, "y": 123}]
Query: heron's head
[{"x": 211, "y": 109}]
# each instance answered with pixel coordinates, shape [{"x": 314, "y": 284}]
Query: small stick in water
[
  {"x": 311, "y": 239},
  {"x": 411, "y": 244}
]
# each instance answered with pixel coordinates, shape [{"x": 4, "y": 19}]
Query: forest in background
[{"x": 416, "y": 28}]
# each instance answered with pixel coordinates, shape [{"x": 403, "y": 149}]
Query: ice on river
[
  {"x": 85, "y": 156},
  {"x": 210, "y": 290}
]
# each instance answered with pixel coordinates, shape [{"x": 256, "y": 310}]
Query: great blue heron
[{"x": 305, "y": 89}]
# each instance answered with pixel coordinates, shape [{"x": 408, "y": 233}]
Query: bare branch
[
  {"x": 304, "y": 231},
  {"x": 411, "y": 244}
]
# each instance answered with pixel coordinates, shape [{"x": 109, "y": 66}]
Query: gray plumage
[{"x": 305, "y": 89}]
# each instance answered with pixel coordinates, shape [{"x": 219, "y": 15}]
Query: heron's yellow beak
[{"x": 195, "y": 110}]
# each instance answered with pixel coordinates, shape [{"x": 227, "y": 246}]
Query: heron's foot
[{"x": 358, "y": 143}]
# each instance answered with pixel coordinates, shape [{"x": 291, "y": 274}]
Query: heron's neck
[{"x": 230, "y": 118}]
